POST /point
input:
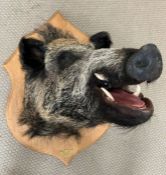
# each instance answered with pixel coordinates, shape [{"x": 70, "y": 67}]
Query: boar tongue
[{"x": 128, "y": 99}]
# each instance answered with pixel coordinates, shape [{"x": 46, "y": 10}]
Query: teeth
[
  {"x": 137, "y": 91},
  {"x": 108, "y": 94},
  {"x": 100, "y": 76}
]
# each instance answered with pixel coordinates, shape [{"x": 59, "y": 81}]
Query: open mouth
[
  {"x": 125, "y": 97},
  {"x": 128, "y": 101}
]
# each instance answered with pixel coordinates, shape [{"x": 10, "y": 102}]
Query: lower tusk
[{"x": 108, "y": 94}]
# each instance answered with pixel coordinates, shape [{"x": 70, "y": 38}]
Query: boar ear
[
  {"x": 101, "y": 40},
  {"x": 32, "y": 53}
]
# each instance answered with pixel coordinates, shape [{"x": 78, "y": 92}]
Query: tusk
[
  {"x": 108, "y": 94},
  {"x": 138, "y": 90},
  {"x": 100, "y": 76}
]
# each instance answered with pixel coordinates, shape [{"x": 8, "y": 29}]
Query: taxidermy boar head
[{"x": 69, "y": 85}]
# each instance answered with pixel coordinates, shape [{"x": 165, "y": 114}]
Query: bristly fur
[
  {"x": 60, "y": 95},
  {"x": 50, "y": 33}
]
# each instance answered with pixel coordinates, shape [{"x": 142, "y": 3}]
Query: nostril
[{"x": 141, "y": 64}]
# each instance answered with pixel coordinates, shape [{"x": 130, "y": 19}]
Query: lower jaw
[
  {"x": 125, "y": 116},
  {"x": 120, "y": 114}
]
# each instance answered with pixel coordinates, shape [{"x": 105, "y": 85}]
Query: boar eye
[{"x": 66, "y": 59}]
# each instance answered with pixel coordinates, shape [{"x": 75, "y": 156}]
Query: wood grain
[{"x": 63, "y": 149}]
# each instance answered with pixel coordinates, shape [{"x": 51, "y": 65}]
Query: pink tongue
[{"x": 125, "y": 98}]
